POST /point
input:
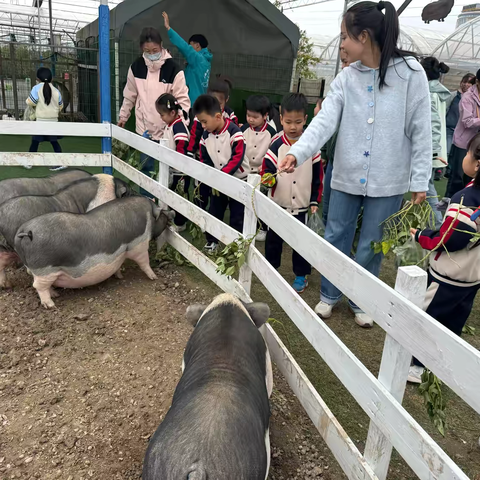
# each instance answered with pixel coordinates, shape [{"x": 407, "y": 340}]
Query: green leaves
[
  {"x": 431, "y": 390},
  {"x": 232, "y": 258},
  {"x": 468, "y": 330}
]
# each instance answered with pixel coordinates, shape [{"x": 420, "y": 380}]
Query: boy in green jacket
[{"x": 199, "y": 60}]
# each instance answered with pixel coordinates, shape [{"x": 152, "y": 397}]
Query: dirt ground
[{"x": 83, "y": 388}]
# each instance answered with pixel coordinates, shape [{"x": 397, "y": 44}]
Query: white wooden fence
[{"x": 410, "y": 331}]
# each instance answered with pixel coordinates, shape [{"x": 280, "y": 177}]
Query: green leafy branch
[
  {"x": 233, "y": 256},
  {"x": 468, "y": 330},
  {"x": 431, "y": 389}
]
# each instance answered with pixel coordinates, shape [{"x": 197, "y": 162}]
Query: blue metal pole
[{"x": 104, "y": 72}]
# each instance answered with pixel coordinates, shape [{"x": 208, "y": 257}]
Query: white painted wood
[
  {"x": 435, "y": 346},
  {"x": 412, "y": 284},
  {"x": 203, "y": 219},
  {"x": 350, "y": 459},
  {"x": 205, "y": 265},
  {"x": 227, "y": 184},
  {"x": 64, "y": 129},
  {"x": 418, "y": 449},
  {"x": 52, "y": 159},
  {"x": 249, "y": 229}
]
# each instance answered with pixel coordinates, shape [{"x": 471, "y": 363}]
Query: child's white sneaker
[
  {"x": 211, "y": 247},
  {"x": 415, "y": 374}
]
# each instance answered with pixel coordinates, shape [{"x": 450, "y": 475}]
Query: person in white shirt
[{"x": 47, "y": 102}]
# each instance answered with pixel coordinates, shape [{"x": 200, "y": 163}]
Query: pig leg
[
  {"x": 43, "y": 286},
  {"x": 6, "y": 259},
  {"x": 54, "y": 293},
  {"x": 118, "y": 274},
  {"x": 143, "y": 261}
]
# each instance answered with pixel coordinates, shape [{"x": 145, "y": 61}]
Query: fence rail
[{"x": 410, "y": 331}]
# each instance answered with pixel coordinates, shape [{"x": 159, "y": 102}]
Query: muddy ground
[{"x": 83, "y": 388}]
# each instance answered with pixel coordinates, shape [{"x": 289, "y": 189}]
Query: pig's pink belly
[{"x": 95, "y": 275}]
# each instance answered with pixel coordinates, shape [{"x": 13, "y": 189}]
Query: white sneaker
[
  {"x": 179, "y": 228},
  {"x": 363, "y": 320},
  {"x": 211, "y": 247},
  {"x": 262, "y": 236},
  {"x": 415, "y": 374},
  {"x": 324, "y": 310}
]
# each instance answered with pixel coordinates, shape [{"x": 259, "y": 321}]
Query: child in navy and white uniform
[
  {"x": 176, "y": 136},
  {"x": 223, "y": 147},
  {"x": 297, "y": 193},
  {"x": 454, "y": 271}
]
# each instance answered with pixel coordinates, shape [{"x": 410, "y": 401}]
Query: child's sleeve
[
  {"x": 130, "y": 94},
  {"x": 449, "y": 237},
  {"x": 237, "y": 142},
  {"x": 195, "y": 136},
  {"x": 32, "y": 99},
  {"x": 180, "y": 135},
  {"x": 234, "y": 118},
  {"x": 317, "y": 181},
  {"x": 270, "y": 161},
  {"x": 204, "y": 156},
  {"x": 190, "y": 54}
]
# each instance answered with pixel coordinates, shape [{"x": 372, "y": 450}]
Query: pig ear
[
  {"x": 194, "y": 312},
  {"x": 260, "y": 312},
  {"x": 170, "y": 214}
]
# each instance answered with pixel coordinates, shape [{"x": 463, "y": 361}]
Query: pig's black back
[{"x": 216, "y": 426}]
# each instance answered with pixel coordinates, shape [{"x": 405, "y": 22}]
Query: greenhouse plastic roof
[{"x": 462, "y": 48}]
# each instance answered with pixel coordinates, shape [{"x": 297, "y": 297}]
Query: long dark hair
[
  {"x": 45, "y": 75},
  {"x": 168, "y": 103},
  {"x": 433, "y": 68},
  {"x": 383, "y": 29}
]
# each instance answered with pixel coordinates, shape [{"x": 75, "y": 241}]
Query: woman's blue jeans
[{"x": 341, "y": 225}]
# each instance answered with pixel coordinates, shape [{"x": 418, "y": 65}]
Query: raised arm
[
  {"x": 322, "y": 127},
  {"x": 190, "y": 54}
]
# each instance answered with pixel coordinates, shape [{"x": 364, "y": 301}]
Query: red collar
[
  {"x": 178, "y": 119},
  {"x": 286, "y": 141},
  {"x": 225, "y": 127},
  {"x": 261, "y": 129}
]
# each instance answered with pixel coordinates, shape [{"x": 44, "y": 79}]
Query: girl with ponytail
[
  {"x": 48, "y": 103},
  {"x": 380, "y": 105}
]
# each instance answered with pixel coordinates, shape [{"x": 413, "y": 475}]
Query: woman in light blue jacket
[{"x": 381, "y": 106}]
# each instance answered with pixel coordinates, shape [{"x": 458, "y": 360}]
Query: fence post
[
  {"x": 104, "y": 73},
  {"x": 249, "y": 229},
  {"x": 411, "y": 282},
  {"x": 14, "y": 81}
]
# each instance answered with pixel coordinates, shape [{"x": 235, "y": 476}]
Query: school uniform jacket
[
  {"x": 297, "y": 191},
  {"x": 258, "y": 141},
  {"x": 230, "y": 114},
  {"x": 457, "y": 259},
  {"x": 225, "y": 150},
  {"x": 44, "y": 112},
  {"x": 146, "y": 81},
  {"x": 177, "y": 136}
]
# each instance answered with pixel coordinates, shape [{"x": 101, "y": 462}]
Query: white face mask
[{"x": 153, "y": 57}]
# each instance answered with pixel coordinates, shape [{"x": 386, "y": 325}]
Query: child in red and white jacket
[
  {"x": 454, "y": 271},
  {"x": 176, "y": 137},
  {"x": 222, "y": 147},
  {"x": 298, "y": 192}
]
